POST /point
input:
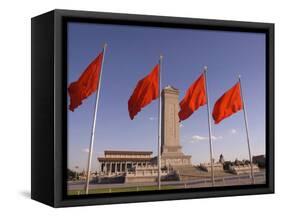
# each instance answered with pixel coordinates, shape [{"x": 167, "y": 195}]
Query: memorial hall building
[{"x": 124, "y": 161}]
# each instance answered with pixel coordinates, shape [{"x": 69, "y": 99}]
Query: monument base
[{"x": 175, "y": 159}]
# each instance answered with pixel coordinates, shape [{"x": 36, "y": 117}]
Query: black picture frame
[{"x": 49, "y": 117}]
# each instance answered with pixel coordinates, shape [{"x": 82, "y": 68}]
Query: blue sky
[{"x": 132, "y": 52}]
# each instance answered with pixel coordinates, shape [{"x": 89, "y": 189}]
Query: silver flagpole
[
  {"x": 247, "y": 132},
  {"x": 94, "y": 126},
  {"x": 159, "y": 125},
  {"x": 210, "y": 129}
]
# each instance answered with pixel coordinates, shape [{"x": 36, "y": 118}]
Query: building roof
[
  {"x": 261, "y": 155},
  {"x": 170, "y": 89},
  {"x": 127, "y": 152},
  {"x": 123, "y": 159}
]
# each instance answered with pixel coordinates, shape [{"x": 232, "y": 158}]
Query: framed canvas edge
[{"x": 60, "y": 15}]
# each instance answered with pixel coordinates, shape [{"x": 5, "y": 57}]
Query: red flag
[
  {"x": 194, "y": 97},
  {"x": 229, "y": 103},
  {"x": 146, "y": 90},
  {"x": 86, "y": 84}
]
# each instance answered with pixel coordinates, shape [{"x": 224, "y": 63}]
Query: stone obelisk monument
[{"x": 171, "y": 150}]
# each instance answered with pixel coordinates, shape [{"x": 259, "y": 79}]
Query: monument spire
[{"x": 171, "y": 150}]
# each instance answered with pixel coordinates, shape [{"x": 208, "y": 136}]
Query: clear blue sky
[{"x": 132, "y": 52}]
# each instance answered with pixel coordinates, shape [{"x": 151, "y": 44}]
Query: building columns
[
  {"x": 111, "y": 167},
  {"x": 107, "y": 167}
]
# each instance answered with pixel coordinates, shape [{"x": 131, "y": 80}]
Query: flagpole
[
  {"x": 159, "y": 125},
  {"x": 210, "y": 129},
  {"x": 247, "y": 132},
  {"x": 94, "y": 126}
]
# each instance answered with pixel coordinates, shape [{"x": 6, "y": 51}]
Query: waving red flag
[
  {"x": 229, "y": 103},
  {"x": 86, "y": 84},
  {"x": 194, "y": 97},
  {"x": 146, "y": 90}
]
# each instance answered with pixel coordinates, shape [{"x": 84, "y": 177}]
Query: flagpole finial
[
  {"x": 161, "y": 56},
  {"x": 105, "y": 45},
  {"x": 205, "y": 68},
  {"x": 239, "y": 75}
]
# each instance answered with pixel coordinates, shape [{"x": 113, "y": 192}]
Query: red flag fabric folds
[
  {"x": 86, "y": 84},
  {"x": 229, "y": 103},
  {"x": 146, "y": 90},
  {"x": 194, "y": 97}
]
